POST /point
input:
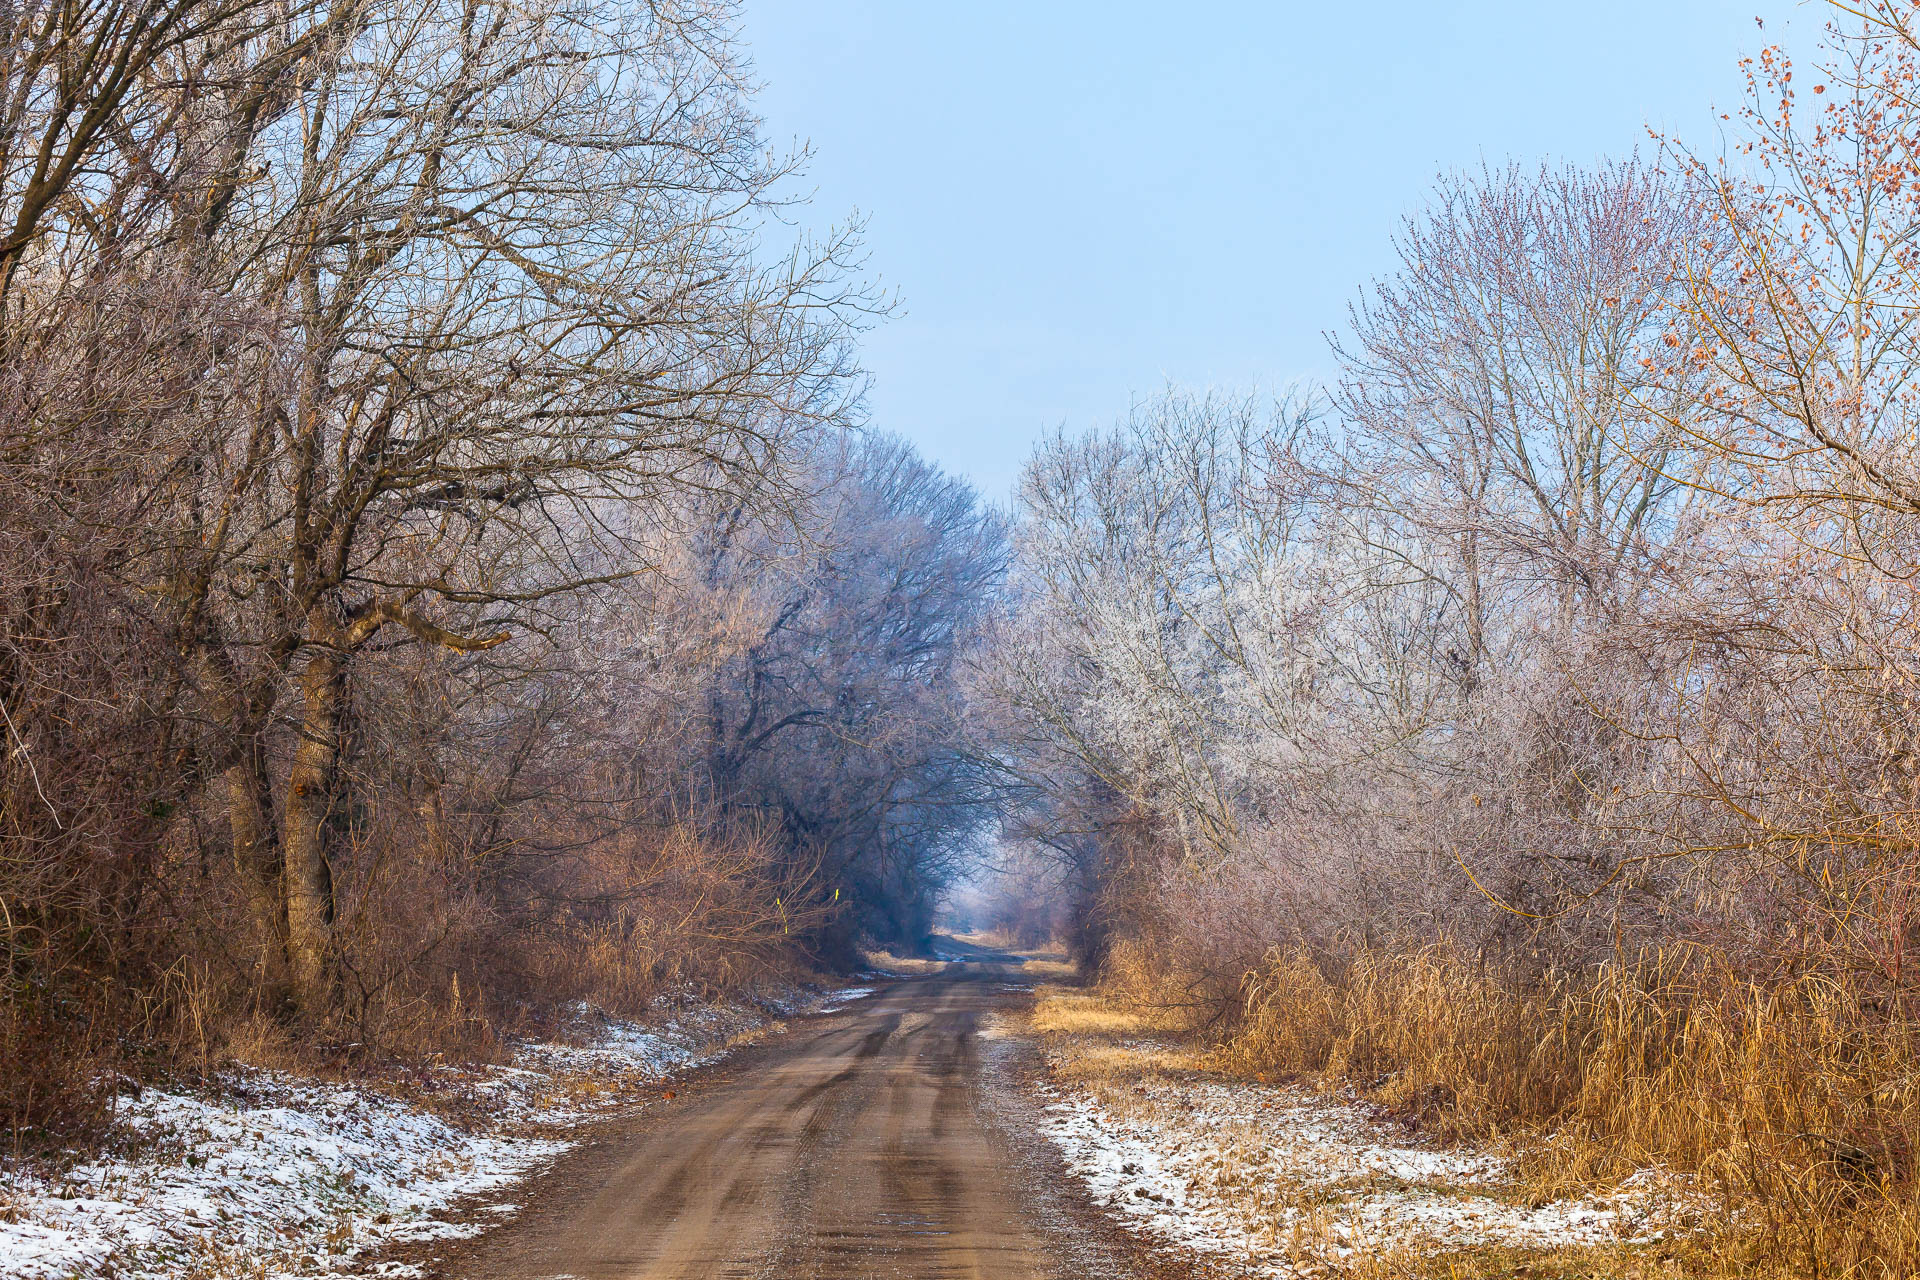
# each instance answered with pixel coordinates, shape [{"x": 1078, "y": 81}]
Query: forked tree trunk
[{"x": 309, "y": 876}]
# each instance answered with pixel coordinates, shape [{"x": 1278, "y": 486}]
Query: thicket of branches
[
  {"x": 1525, "y": 730},
  {"x": 436, "y": 578}
]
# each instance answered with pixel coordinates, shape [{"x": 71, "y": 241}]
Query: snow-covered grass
[
  {"x": 262, "y": 1174},
  {"x": 1284, "y": 1181}
]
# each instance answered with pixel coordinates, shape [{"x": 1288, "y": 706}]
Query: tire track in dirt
[{"x": 886, "y": 1139}]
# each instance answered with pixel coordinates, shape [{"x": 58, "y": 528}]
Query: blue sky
[{"x": 1078, "y": 202}]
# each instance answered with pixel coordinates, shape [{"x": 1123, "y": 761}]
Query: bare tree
[
  {"x": 1510, "y": 387},
  {"x": 840, "y": 713},
  {"x": 505, "y": 251}
]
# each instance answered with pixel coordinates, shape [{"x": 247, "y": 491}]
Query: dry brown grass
[
  {"x": 1047, "y": 966},
  {"x": 1106, "y": 1044},
  {"x": 1139, "y": 1063},
  {"x": 1427, "y": 1035},
  {"x": 1066, "y": 1011},
  {"x": 1795, "y": 1101}
]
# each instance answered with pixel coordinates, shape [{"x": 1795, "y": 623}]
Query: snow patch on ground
[
  {"x": 844, "y": 997},
  {"x": 1275, "y": 1177},
  {"x": 269, "y": 1175}
]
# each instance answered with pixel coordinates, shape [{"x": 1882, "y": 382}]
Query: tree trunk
[
  {"x": 309, "y": 876},
  {"x": 257, "y": 861},
  {"x": 258, "y": 864}
]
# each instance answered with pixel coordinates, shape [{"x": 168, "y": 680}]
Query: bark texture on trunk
[
  {"x": 257, "y": 860},
  {"x": 309, "y": 876},
  {"x": 259, "y": 867}
]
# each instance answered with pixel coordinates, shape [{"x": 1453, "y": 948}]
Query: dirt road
[{"x": 881, "y": 1140}]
